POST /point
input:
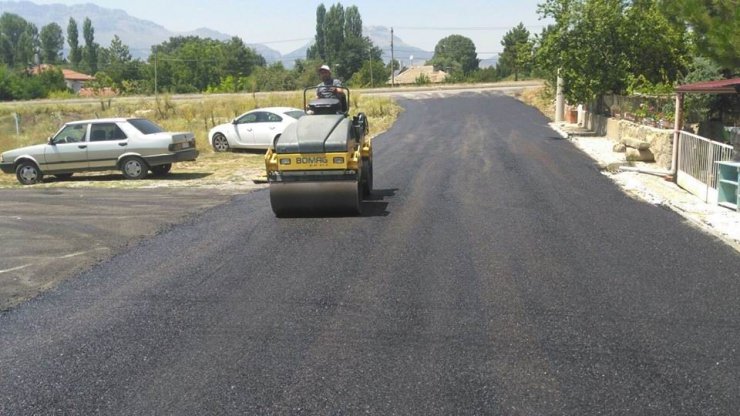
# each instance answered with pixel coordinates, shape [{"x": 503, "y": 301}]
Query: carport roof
[{"x": 720, "y": 86}]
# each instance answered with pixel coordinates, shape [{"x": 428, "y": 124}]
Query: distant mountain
[
  {"x": 402, "y": 51},
  {"x": 139, "y": 35}
]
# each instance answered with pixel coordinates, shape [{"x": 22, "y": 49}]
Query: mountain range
[{"x": 140, "y": 35}]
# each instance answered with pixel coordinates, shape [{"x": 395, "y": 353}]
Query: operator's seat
[{"x": 328, "y": 105}]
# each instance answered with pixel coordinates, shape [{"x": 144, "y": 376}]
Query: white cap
[{"x": 324, "y": 68}]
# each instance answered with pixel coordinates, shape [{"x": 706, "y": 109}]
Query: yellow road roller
[{"x": 323, "y": 163}]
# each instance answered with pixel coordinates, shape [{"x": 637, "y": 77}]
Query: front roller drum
[{"x": 315, "y": 198}]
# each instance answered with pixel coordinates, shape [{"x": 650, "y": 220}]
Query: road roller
[{"x": 323, "y": 163}]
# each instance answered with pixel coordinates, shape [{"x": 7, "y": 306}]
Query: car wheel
[
  {"x": 63, "y": 175},
  {"x": 161, "y": 169},
  {"x": 134, "y": 168},
  {"x": 220, "y": 144},
  {"x": 28, "y": 173}
]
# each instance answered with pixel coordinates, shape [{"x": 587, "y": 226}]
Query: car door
[
  {"x": 67, "y": 150},
  {"x": 244, "y": 129},
  {"x": 107, "y": 143},
  {"x": 267, "y": 127}
]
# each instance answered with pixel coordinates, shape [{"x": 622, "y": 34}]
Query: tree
[
  {"x": 193, "y": 64},
  {"x": 517, "y": 55},
  {"x": 73, "y": 40},
  {"x": 455, "y": 53},
  {"x": 18, "y": 41},
  {"x": 352, "y": 22},
  {"x": 119, "y": 70},
  {"x": 372, "y": 74},
  {"x": 52, "y": 42},
  {"x": 657, "y": 50},
  {"x": 239, "y": 60},
  {"x": 318, "y": 49},
  {"x": 602, "y": 46},
  {"x": 90, "y": 52},
  {"x": 339, "y": 41},
  {"x": 334, "y": 33},
  {"x": 715, "y": 25}
]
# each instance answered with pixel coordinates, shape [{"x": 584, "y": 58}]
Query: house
[
  {"x": 413, "y": 73},
  {"x": 74, "y": 80}
]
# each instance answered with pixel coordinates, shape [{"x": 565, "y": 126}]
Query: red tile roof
[
  {"x": 68, "y": 74},
  {"x": 76, "y": 76}
]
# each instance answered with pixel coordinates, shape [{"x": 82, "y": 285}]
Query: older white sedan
[
  {"x": 256, "y": 129},
  {"x": 133, "y": 145}
]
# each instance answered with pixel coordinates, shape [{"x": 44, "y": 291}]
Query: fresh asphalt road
[{"x": 496, "y": 271}]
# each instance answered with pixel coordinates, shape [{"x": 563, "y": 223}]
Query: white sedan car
[{"x": 256, "y": 129}]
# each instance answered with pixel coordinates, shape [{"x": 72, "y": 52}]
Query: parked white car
[
  {"x": 133, "y": 145},
  {"x": 256, "y": 129}
]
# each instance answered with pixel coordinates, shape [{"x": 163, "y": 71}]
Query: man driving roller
[{"x": 329, "y": 87}]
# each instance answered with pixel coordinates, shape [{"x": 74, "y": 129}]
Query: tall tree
[
  {"x": 90, "y": 53},
  {"x": 73, "y": 40},
  {"x": 352, "y": 22},
  {"x": 455, "y": 53},
  {"x": 517, "y": 55},
  {"x": 18, "y": 41},
  {"x": 334, "y": 33},
  {"x": 339, "y": 36},
  {"x": 318, "y": 49},
  {"x": 52, "y": 43}
]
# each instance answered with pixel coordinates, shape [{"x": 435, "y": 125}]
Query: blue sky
[{"x": 288, "y": 24}]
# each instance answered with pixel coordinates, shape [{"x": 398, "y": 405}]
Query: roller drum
[{"x": 315, "y": 198}]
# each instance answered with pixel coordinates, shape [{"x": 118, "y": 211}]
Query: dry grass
[
  {"x": 540, "y": 98},
  {"x": 40, "y": 120}
]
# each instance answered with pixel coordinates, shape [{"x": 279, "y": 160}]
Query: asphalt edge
[{"x": 665, "y": 203}]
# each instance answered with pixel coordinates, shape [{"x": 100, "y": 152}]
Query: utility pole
[
  {"x": 393, "y": 63},
  {"x": 559, "y": 100},
  {"x": 155, "y": 71}
]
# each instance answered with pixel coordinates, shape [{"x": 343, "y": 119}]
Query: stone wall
[{"x": 660, "y": 140}]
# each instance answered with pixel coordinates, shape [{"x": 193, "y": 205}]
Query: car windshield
[
  {"x": 145, "y": 126},
  {"x": 296, "y": 114}
]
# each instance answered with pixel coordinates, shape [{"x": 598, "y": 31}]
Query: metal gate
[{"x": 697, "y": 170}]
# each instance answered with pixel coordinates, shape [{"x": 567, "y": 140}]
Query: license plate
[{"x": 185, "y": 145}]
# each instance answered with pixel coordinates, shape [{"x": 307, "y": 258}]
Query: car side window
[
  {"x": 116, "y": 133},
  {"x": 273, "y": 118},
  {"x": 106, "y": 131},
  {"x": 249, "y": 118},
  {"x": 73, "y": 133}
]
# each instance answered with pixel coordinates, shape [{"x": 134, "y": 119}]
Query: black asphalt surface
[{"x": 496, "y": 271}]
